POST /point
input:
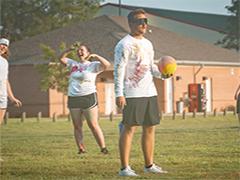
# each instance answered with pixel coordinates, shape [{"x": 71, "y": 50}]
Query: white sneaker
[
  {"x": 127, "y": 172},
  {"x": 154, "y": 169}
]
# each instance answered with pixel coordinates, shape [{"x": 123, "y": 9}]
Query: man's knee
[{"x": 149, "y": 129}]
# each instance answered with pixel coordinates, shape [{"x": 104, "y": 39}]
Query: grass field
[{"x": 199, "y": 148}]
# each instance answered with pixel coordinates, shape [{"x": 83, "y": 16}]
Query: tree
[
  {"x": 25, "y": 18},
  {"x": 54, "y": 75},
  {"x": 231, "y": 40}
]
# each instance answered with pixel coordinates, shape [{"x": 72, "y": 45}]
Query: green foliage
[
  {"x": 195, "y": 148},
  {"x": 231, "y": 39},
  {"x": 25, "y": 18},
  {"x": 54, "y": 75}
]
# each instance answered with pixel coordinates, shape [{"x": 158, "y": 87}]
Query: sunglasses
[{"x": 141, "y": 21}]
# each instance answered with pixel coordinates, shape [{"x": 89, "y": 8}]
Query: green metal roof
[{"x": 210, "y": 21}]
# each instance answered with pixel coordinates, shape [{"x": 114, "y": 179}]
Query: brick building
[{"x": 214, "y": 69}]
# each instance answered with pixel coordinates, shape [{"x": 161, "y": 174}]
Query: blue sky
[{"x": 204, "y": 6}]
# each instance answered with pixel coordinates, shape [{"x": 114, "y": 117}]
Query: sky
[{"x": 203, "y": 6}]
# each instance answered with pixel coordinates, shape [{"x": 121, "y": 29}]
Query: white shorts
[{"x": 3, "y": 102}]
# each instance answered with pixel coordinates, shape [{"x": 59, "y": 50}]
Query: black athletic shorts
[
  {"x": 83, "y": 102},
  {"x": 141, "y": 111}
]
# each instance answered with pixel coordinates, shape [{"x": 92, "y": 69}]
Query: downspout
[{"x": 195, "y": 74}]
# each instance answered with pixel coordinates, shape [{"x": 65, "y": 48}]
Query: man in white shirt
[{"x": 135, "y": 92}]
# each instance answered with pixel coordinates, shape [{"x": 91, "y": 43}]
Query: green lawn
[{"x": 200, "y": 148}]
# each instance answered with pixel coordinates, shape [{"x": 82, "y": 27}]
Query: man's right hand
[{"x": 121, "y": 102}]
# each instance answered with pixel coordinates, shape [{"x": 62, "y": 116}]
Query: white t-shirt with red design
[
  {"x": 82, "y": 77},
  {"x": 3, "y": 82},
  {"x": 134, "y": 68}
]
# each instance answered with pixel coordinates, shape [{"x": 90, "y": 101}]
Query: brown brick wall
[
  {"x": 25, "y": 82},
  {"x": 101, "y": 97},
  {"x": 224, "y": 83},
  {"x": 58, "y": 103},
  {"x": 160, "y": 90}
]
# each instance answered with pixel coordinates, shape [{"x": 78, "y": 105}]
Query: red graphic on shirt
[
  {"x": 76, "y": 68},
  {"x": 138, "y": 74}
]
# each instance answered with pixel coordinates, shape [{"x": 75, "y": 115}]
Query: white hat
[{"x": 4, "y": 41}]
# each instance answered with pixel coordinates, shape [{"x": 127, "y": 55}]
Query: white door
[
  {"x": 109, "y": 98},
  {"x": 208, "y": 90},
  {"x": 169, "y": 95}
]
